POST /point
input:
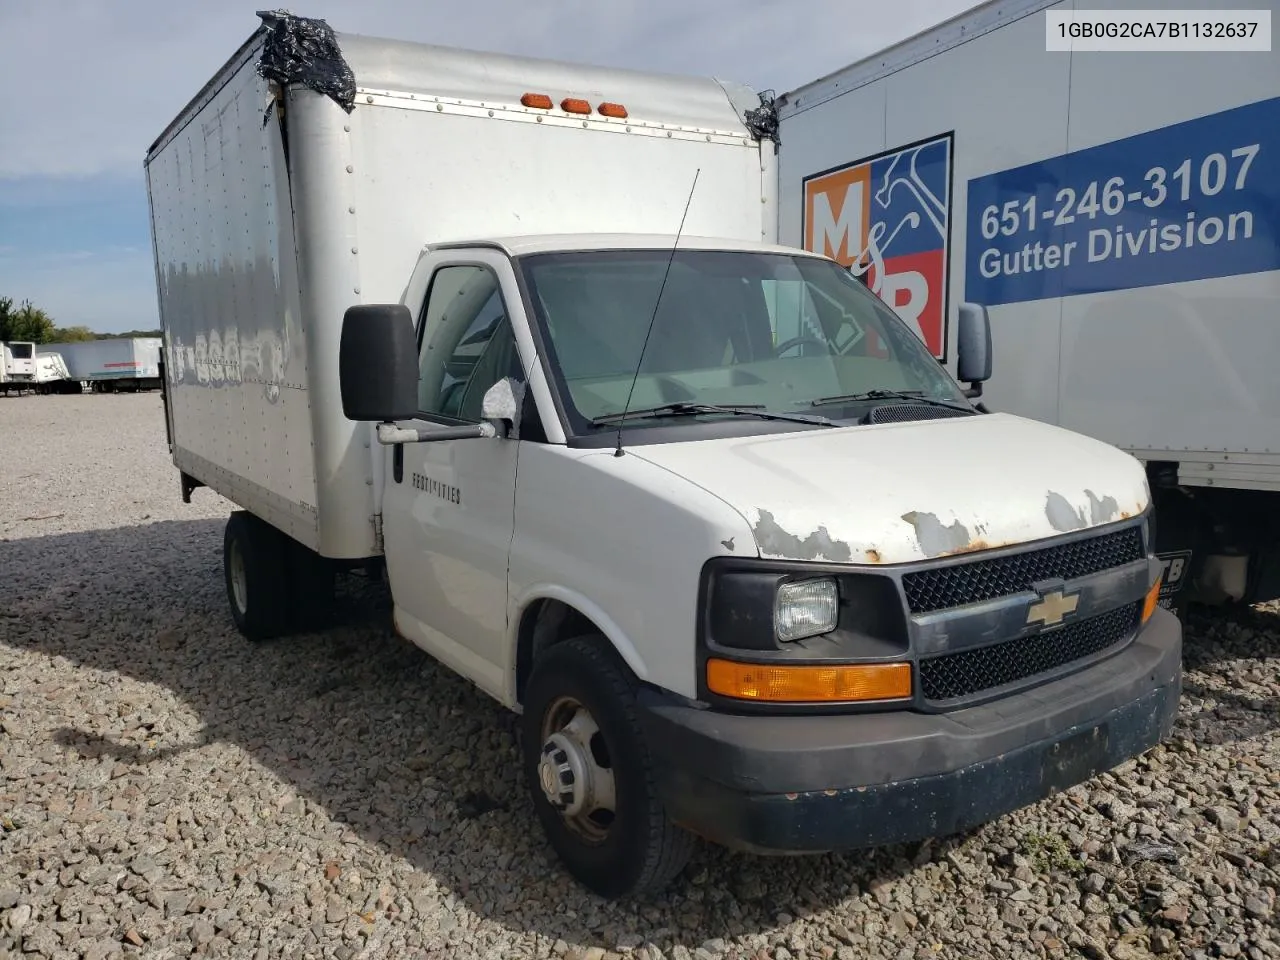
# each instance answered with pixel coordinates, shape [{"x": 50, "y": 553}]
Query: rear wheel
[
  {"x": 590, "y": 774},
  {"x": 311, "y": 587},
  {"x": 255, "y": 566}
]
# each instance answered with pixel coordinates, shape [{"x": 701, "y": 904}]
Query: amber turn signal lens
[
  {"x": 809, "y": 684},
  {"x": 537, "y": 101},
  {"x": 573, "y": 105},
  {"x": 615, "y": 110},
  {"x": 1152, "y": 599}
]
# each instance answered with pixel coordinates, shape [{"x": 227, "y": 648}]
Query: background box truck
[
  {"x": 119, "y": 363},
  {"x": 749, "y": 562},
  {"x": 1119, "y": 216}
]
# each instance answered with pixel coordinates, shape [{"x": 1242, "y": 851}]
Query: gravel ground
[{"x": 168, "y": 790}]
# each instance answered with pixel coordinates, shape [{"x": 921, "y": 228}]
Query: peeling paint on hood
[{"x": 895, "y": 493}]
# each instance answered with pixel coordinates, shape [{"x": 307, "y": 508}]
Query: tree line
[{"x": 27, "y": 322}]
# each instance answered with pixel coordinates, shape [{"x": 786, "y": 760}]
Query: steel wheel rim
[
  {"x": 239, "y": 577},
  {"x": 574, "y": 749}
]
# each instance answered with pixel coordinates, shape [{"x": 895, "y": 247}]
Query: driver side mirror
[
  {"x": 973, "y": 348},
  {"x": 378, "y": 363}
]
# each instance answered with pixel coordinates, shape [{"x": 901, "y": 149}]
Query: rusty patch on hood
[
  {"x": 778, "y": 542},
  {"x": 975, "y": 545},
  {"x": 938, "y": 539},
  {"x": 873, "y": 555},
  {"x": 1102, "y": 510},
  {"x": 1062, "y": 516}
]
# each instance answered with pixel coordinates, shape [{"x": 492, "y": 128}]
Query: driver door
[{"x": 448, "y": 504}]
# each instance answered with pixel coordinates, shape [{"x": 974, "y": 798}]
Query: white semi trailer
[
  {"x": 750, "y": 563},
  {"x": 17, "y": 366},
  {"x": 52, "y": 375},
  {"x": 1119, "y": 216},
  {"x": 114, "y": 364}
]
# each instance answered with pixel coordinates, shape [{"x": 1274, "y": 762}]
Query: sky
[{"x": 93, "y": 82}]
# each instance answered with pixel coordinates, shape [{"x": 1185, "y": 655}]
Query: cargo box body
[
  {"x": 274, "y": 210},
  {"x": 126, "y": 358},
  {"x": 18, "y": 361},
  {"x": 1116, "y": 212}
]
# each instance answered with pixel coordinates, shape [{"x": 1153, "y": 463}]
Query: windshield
[
  {"x": 774, "y": 331},
  {"x": 21, "y": 351}
]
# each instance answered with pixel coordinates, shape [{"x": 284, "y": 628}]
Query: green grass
[{"x": 1050, "y": 852}]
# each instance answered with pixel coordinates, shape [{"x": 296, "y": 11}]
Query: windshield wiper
[
  {"x": 916, "y": 395},
  {"x": 687, "y": 409}
]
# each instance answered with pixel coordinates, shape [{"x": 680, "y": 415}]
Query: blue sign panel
[{"x": 1185, "y": 202}]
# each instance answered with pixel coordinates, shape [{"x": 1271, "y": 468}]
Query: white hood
[{"x": 895, "y": 493}]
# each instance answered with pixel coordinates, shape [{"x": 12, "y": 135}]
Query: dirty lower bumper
[{"x": 809, "y": 784}]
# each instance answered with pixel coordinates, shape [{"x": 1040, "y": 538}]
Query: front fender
[{"x": 623, "y": 542}]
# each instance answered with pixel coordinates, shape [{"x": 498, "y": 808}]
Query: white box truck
[
  {"x": 748, "y": 561},
  {"x": 1119, "y": 216},
  {"x": 112, "y": 364}
]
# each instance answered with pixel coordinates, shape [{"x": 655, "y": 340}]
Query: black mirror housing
[
  {"x": 973, "y": 347},
  {"x": 378, "y": 363}
]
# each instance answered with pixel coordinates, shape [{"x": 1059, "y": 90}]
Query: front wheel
[{"x": 590, "y": 774}]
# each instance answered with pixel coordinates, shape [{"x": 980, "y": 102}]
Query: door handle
[{"x": 397, "y": 462}]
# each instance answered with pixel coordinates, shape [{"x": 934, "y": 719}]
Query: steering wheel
[{"x": 786, "y": 345}]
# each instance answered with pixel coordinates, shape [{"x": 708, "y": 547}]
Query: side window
[{"x": 467, "y": 343}]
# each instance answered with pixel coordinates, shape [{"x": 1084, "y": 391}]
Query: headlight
[{"x": 805, "y": 608}]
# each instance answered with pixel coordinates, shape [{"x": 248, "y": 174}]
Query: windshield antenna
[{"x": 653, "y": 319}]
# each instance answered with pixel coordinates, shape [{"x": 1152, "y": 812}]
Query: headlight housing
[
  {"x": 805, "y": 608},
  {"x": 781, "y": 635}
]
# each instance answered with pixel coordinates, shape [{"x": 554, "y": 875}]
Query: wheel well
[
  {"x": 544, "y": 624},
  {"x": 1214, "y": 522}
]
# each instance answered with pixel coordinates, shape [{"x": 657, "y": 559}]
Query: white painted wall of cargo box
[
  {"x": 259, "y": 255},
  {"x": 1152, "y": 341}
]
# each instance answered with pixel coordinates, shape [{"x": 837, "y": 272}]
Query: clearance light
[
  {"x": 809, "y": 684},
  {"x": 537, "y": 101},
  {"x": 615, "y": 110},
  {"x": 573, "y": 105},
  {"x": 1152, "y": 599}
]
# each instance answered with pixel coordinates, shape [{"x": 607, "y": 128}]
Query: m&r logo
[{"x": 887, "y": 218}]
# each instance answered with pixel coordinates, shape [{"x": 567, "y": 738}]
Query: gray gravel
[{"x": 166, "y": 789}]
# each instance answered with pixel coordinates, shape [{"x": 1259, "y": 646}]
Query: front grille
[
  {"x": 904, "y": 412},
  {"x": 968, "y": 672},
  {"x": 980, "y": 580}
]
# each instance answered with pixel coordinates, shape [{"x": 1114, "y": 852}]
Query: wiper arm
[
  {"x": 687, "y": 409},
  {"x": 915, "y": 395}
]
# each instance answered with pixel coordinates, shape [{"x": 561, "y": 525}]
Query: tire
[
  {"x": 638, "y": 849},
  {"x": 311, "y": 587},
  {"x": 255, "y": 567}
]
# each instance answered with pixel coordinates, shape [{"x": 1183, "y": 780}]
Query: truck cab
[{"x": 749, "y": 561}]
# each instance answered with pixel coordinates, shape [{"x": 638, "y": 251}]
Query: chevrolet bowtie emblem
[{"x": 1052, "y": 608}]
